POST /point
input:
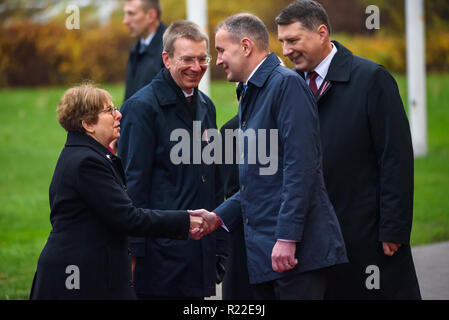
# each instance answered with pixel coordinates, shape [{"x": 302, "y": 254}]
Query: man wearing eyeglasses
[{"x": 172, "y": 269}]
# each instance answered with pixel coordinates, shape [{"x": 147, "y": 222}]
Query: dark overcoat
[
  {"x": 236, "y": 284},
  {"x": 368, "y": 169},
  {"x": 291, "y": 202},
  {"x": 91, "y": 217},
  {"x": 170, "y": 267},
  {"x": 144, "y": 64}
]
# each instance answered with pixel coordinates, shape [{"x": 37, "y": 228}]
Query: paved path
[{"x": 432, "y": 268}]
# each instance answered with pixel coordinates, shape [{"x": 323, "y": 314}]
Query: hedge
[{"x": 36, "y": 55}]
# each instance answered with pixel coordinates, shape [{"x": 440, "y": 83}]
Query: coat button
[
  {"x": 243, "y": 187},
  {"x": 246, "y": 220},
  {"x": 203, "y": 179}
]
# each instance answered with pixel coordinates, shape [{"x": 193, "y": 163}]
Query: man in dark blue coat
[
  {"x": 142, "y": 17},
  {"x": 152, "y": 117},
  {"x": 367, "y": 157},
  {"x": 291, "y": 231}
]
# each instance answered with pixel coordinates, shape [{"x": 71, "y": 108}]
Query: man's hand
[
  {"x": 390, "y": 248},
  {"x": 198, "y": 226},
  {"x": 211, "y": 219},
  {"x": 283, "y": 256}
]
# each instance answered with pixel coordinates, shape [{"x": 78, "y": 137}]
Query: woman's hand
[
  {"x": 212, "y": 220},
  {"x": 197, "y": 227}
]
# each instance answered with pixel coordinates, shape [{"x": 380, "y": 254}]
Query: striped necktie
[{"x": 312, "y": 84}]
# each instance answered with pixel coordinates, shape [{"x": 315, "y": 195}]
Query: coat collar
[
  {"x": 340, "y": 67},
  {"x": 155, "y": 42},
  {"x": 168, "y": 93},
  {"x": 75, "y": 139},
  {"x": 171, "y": 93},
  {"x": 263, "y": 72}
]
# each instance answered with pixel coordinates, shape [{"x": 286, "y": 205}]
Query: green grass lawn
[{"x": 31, "y": 139}]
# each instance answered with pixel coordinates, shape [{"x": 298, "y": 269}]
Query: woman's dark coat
[{"x": 91, "y": 217}]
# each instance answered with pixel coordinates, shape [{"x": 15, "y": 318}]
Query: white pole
[
  {"x": 197, "y": 12},
  {"x": 416, "y": 75}
]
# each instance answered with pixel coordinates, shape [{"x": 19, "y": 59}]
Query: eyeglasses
[
  {"x": 190, "y": 61},
  {"x": 110, "y": 109}
]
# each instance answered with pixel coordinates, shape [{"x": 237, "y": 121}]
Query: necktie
[
  {"x": 243, "y": 92},
  {"x": 142, "y": 48},
  {"x": 312, "y": 84},
  {"x": 191, "y": 107},
  {"x": 245, "y": 88}
]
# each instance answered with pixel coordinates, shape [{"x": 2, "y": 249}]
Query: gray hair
[
  {"x": 182, "y": 29},
  {"x": 246, "y": 25},
  {"x": 309, "y": 13}
]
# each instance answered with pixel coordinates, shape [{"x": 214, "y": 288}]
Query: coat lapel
[
  {"x": 339, "y": 70},
  {"x": 256, "y": 82},
  {"x": 81, "y": 139},
  {"x": 169, "y": 94},
  {"x": 325, "y": 87},
  {"x": 184, "y": 115},
  {"x": 156, "y": 42},
  {"x": 201, "y": 108}
]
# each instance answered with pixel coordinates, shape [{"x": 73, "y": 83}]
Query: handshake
[{"x": 203, "y": 222}]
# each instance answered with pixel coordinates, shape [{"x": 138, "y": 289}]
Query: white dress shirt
[
  {"x": 323, "y": 68},
  {"x": 255, "y": 69},
  {"x": 188, "y": 94},
  {"x": 147, "y": 40}
]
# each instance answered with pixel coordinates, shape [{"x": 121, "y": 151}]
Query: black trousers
[{"x": 294, "y": 286}]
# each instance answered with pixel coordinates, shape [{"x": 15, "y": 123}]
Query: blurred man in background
[{"x": 142, "y": 17}]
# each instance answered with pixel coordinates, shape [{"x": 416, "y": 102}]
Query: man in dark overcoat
[
  {"x": 142, "y": 17},
  {"x": 154, "y": 118},
  {"x": 367, "y": 157},
  {"x": 236, "y": 284}
]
